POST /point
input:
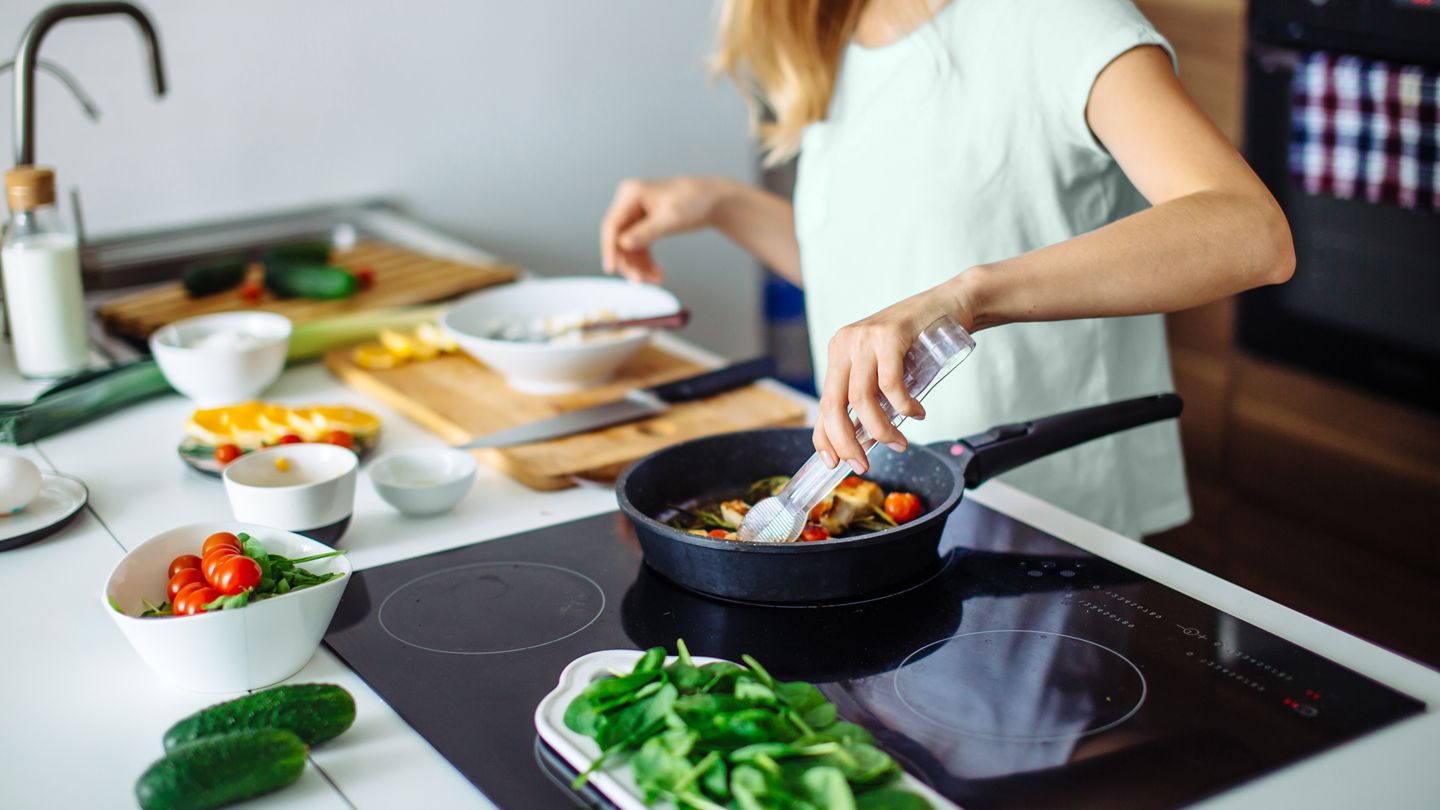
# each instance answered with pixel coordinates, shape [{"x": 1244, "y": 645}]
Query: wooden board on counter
[
  {"x": 402, "y": 277},
  {"x": 459, "y": 399}
]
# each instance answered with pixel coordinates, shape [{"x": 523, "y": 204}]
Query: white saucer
[{"x": 61, "y": 498}]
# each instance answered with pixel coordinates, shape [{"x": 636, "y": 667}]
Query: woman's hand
[
  {"x": 867, "y": 358},
  {"x": 642, "y": 211}
]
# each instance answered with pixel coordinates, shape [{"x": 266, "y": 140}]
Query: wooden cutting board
[
  {"x": 402, "y": 277},
  {"x": 459, "y": 399}
]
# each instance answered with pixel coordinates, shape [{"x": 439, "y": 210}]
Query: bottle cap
[{"x": 29, "y": 187}]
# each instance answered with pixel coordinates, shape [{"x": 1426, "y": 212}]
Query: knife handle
[{"x": 714, "y": 382}]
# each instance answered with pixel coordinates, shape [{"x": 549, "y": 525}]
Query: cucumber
[
  {"x": 220, "y": 770},
  {"x": 298, "y": 253},
  {"x": 213, "y": 277},
  {"x": 309, "y": 281},
  {"x": 315, "y": 712}
]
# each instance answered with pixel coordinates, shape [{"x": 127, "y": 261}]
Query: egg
[{"x": 19, "y": 483}]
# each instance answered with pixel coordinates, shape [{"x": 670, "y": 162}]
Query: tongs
[{"x": 936, "y": 351}]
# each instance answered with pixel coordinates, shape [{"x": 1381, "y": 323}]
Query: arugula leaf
[{"x": 237, "y": 600}]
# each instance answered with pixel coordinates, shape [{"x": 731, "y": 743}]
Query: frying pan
[{"x": 839, "y": 568}]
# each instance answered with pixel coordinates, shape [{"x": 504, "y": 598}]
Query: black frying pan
[{"x": 724, "y": 465}]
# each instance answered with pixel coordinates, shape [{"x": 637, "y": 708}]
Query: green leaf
[
  {"x": 682, "y": 653},
  {"x": 827, "y": 787},
  {"x": 113, "y": 604},
  {"x": 758, "y": 670},
  {"x": 755, "y": 692},
  {"x": 237, "y": 600},
  {"x": 581, "y": 716},
  {"x": 152, "y": 610},
  {"x": 638, "y": 720},
  {"x": 890, "y": 799},
  {"x": 658, "y": 770}
]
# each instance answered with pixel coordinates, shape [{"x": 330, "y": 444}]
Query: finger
[
  {"x": 624, "y": 209},
  {"x": 863, "y": 393},
  {"x": 642, "y": 233},
  {"x": 891, "y": 368},
  {"x": 838, "y": 426},
  {"x": 640, "y": 265},
  {"x": 823, "y": 445}
]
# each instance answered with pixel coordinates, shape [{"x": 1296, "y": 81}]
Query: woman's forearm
[
  {"x": 1186, "y": 252},
  {"x": 760, "y": 222}
]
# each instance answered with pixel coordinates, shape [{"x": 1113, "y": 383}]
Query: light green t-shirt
[{"x": 963, "y": 143}]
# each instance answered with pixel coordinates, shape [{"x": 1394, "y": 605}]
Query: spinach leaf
[
  {"x": 890, "y": 799},
  {"x": 827, "y": 787}
]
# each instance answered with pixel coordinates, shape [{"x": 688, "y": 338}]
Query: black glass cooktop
[{"x": 1020, "y": 672}]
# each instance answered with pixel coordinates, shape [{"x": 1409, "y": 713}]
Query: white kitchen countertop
[{"x": 81, "y": 717}]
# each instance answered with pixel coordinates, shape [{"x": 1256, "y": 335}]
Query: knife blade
[{"x": 640, "y": 403}]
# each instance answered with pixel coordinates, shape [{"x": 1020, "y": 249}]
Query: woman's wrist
[{"x": 968, "y": 297}]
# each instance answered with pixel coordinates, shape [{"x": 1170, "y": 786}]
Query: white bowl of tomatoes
[{"x": 228, "y": 625}]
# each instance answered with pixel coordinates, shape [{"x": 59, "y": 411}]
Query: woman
[{"x": 984, "y": 159}]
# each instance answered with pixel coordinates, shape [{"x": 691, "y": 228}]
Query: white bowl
[
  {"x": 226, "y": 650},
  {"x": 222, "y": 374},
  {"x": 547, "y": 368},
  {"x": 428, "y": 481},
  {"x": 313, "y": 495}
]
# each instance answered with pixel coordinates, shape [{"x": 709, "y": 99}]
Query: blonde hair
[{"x": 784, "y": 56}]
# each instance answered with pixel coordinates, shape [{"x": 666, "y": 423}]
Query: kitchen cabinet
[{"x": 1306, "y": 490}]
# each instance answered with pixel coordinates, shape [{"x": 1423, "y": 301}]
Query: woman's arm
[
  {"x": 1214, "y": 230},
  {"x": 642, "y": 211}
]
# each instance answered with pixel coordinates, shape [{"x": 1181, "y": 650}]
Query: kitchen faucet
[{"x": 27, "y": 57}]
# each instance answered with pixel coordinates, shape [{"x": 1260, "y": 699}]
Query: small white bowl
[
  {"x": 548, "y": 368},
  {"x": 307, "y": 488},
  {"x": 226, "y": 650},
  {"x": 423, "y": 482},
  {"x": 222, "y": 374}
]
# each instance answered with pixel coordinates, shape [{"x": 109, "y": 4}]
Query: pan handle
[{"x": 1003, "y": 448}]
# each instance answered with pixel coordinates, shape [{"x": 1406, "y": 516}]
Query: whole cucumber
[
  {"x": 217, "y": 771},
  {"x": 214, "y": 277},
  {"x": 298, "y": 253},
  {"x": 315, "y": 712},
  {"x": 309, "y": 281}
]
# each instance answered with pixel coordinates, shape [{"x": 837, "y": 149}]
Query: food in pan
[{"x": 857, "y": 506}]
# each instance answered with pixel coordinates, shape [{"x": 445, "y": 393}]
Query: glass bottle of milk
[{"x": 40, "y": 263}]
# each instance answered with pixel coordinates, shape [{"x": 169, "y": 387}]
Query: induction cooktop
[{"x": 1020, "y": 671}]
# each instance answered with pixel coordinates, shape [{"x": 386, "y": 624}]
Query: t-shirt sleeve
[{"x": 1072, "y": 42}]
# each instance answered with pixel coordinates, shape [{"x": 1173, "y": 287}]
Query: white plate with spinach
[{"x": 711, "y": 734}]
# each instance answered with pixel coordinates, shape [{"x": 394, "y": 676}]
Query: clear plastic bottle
[{"x": 40, "y": 261}]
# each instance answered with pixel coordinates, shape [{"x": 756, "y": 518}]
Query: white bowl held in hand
[
  {"x": 423, "y": 482},
  {"x": 225, "y": 650},
  {"x": 222, "y": 358},
  {"x": 554, "y": 367}
]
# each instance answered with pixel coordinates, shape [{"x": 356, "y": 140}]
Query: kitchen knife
[{"x": 640, "y": 403}]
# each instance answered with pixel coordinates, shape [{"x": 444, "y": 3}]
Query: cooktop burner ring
[
  {"x": 1110, "y": 656},
  {"x": 407, "y": 620}
]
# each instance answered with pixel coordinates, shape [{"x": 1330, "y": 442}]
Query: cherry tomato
[
  {"x": 213, "y": 563},
  {"x": 227, "y": 453},
  {"x": 182, "y": 562},
  {"x": 341, "y": 438},
  {"x": 719, "y": 534},
  {"x": 220, "y": 540},
  {"x": 290, "y": 438},
  {"x": 902, "y": 507},
  {"x": 366, "y": 277},
  {"x": 180, "y": 594},
  {"x": 811, "y": 533},
  {"x": 252, "y": 291},
  {"x": 181, "y": 578},
  {"x": 236, "y": 574},
  {"x": 194, "y": 600}
]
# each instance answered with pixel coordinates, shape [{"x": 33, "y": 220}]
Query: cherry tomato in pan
[
  {"x": 718, "y": 534},
  {"x": 219, "y": 540},
  {"x": 236, "y": 574},
  {"x": 183, "y": 577},
  {"x": 213, "y": 563},
  {"x": 290, "y": 438},
  {"x": 902, "y": 507},
  {"x": 811, "y": 533},
  {"x": 340, "y": 438},
  {"x": 227, "y": 453},
  {"x": 182, "y": 562},
  {"x": 193, "y": 600}
]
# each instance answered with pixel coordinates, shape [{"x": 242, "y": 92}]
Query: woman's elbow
[{"x": 1277, "y": 263}]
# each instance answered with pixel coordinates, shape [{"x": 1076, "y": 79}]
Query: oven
[{"x": 1364, "y": 304}]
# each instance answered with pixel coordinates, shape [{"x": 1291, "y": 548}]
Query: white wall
[{"x": 506, "y": 123}]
